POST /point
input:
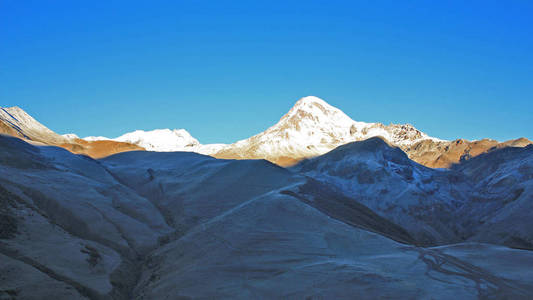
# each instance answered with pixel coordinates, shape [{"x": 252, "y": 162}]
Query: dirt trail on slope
[{"x": 488, "y": 285}]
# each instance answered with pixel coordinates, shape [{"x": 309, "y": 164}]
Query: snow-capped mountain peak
[
  {"x": 316, "y": 111},
  {"x": 311, "y": 116},
  {"x": 70, "y": 136},
  {"x": 313, "y": 127},
  {"x": 161, "y": 139},
  {"x": 312, "y": 105}
]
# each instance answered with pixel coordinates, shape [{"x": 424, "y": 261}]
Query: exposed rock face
[
  {"x": 8, "y": 130},
  {"x": 443, "y": 154}
]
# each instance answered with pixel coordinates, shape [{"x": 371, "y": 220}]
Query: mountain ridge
[
  {"x": 310, "y": 128},
  {"x": 14, "y": 121}
]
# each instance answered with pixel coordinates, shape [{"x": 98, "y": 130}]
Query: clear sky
[{"x": 225, "y": 70}]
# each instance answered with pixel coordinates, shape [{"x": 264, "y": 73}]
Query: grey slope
[
  {"x": 146, "y": 225},
  {"x": 487, "y": 198}
]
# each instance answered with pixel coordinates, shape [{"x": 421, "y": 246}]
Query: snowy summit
[
  {"x": 313, "y": 127},
  {"x": 161, "y": 140}
]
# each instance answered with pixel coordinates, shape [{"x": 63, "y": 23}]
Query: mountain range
[
  {"x": 16, "y": 122},
  {"x": 312, "y": 127},
  {"x": 351, "y": 215}
]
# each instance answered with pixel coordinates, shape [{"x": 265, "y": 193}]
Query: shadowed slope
[
  {"x": 487, "y": 198},
  {"x": 69, "y": 204},
  {"x": 166, "y": 225}
]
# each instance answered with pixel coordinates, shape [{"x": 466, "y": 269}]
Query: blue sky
[{"x": 225, "y": 70}]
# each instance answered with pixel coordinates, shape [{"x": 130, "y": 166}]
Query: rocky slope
[
  {"x": 156, "y": 225},
  {"x": 27, "y": 127},
  {"x": 501, "y": 197},
  {"x": 443, "y": 154},
  {"x": 16, "y": 122}
]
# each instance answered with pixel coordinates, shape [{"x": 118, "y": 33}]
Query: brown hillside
[{"x": 99, "y": 149}]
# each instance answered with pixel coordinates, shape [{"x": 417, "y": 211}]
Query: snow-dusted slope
[
  {"x": 149, "y": 225},
  {"x": 27, "y": 126},
  {"x": 313, "y": 127},
  {"x": 388, "y": 182},
  {"x": 69, "y": 222},
  {"x": 488, "y": 198}
]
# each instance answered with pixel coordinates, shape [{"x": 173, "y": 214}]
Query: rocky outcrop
[{"x": 443, "y": 154}]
